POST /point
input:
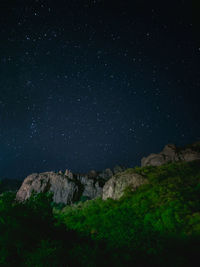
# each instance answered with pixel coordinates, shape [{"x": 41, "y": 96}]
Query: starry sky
[{"x": 92, "y": 84}]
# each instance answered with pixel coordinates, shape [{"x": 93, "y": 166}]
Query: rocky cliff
[
  {"x": 65, "y": 190},
  {"x": 171, "y": 153},
  {"x": 115, "y": 186},
  {"x": 68, "y": 187}
]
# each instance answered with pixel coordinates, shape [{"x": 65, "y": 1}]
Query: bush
[
  {"x": 145, "y": 222},
  {"x": 157, "y": 225}
]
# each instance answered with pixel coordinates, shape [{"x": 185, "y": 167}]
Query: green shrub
[
  {"x": 145, "y": 221},
  {"x": 157, "y": 225}
]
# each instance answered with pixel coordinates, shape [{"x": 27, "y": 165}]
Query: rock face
[
  {"x": 69, "y": 174},
  {"x": 171, "y": 153},
  {"x": 68, "y": 187},
  {"x": 64, "y": 190},
  {"x": 114, "y": 187},
  {"x": 91, "y": 187}
]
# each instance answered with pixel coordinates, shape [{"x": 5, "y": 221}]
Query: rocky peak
[
  {"x": 66, "y": 188},
  {"x": 169, "y": 149},
  {"x": 171, "y": 153},
  {"x": 63, "y": 189},
  {"x": 69, "y": 174}
]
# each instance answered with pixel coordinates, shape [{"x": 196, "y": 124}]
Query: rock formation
[
  {"x": 91, "y": 188},
  {"x": 69, "y": 174},
  {"x": 114, "y": 187},
  {"x": 64, "y": 190},
  {"x": 68, "y": 187},
  {"x": 171, "y": 153}
]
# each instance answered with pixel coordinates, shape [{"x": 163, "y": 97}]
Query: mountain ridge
[{"x": 68, "y": 188}]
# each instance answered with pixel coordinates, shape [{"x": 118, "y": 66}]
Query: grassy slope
[{"x": 160, "y": 221}]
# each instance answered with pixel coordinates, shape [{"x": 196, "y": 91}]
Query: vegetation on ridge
[
  {"x": 151, "y": 220},
  {"x": 158, "y": 225}
]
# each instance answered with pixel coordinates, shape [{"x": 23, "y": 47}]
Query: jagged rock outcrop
[
  {"x": 91, "y": 188},
  {"x": 69, "y": 174},
  {"x": 68, "y": 187},
  {"x": 114, "y": 187},
  {"x": 64, "y": 189},
  {"x": 171, "y": 153}
]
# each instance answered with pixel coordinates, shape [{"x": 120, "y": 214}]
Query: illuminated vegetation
[{"x": 158, "y": 225}]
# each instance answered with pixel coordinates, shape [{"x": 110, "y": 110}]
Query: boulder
[
  {"x": 153, "y": 160},
  {"x": 64, "y": 190},
  {"x": 114, "y": 187}
]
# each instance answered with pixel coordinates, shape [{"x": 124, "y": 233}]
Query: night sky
[{"x": 92, "y": 84}]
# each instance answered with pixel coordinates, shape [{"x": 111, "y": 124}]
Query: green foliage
[
  {"x": 31, "y": 236},
  {"x": 22, "y": 224},
  {"x": 84, "y": 198},
  {"x": 157, "y": 225},
  {"x": 165, "y": 211},
  {"x": 46, "y": 254}
]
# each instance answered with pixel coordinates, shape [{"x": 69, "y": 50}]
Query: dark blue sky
[{"x": 91, "y": 84}]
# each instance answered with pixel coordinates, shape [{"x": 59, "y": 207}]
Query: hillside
[
  {"x": 68, "y": 187},
  {"x": 159, "y": 223},
  {"x": 155, "y": 224}
]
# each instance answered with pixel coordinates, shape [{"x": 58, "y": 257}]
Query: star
[{"x": 83, "y": 84}]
